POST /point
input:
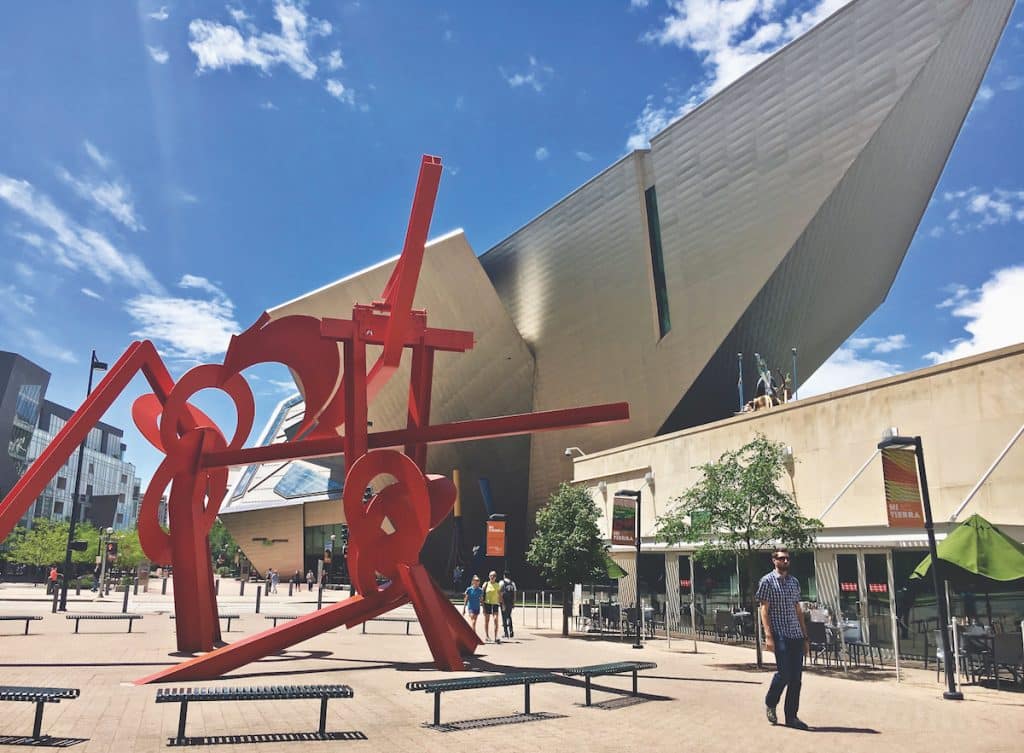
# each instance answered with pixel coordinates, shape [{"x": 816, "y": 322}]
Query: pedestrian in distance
[
  {"x": 492, "y": 603},
  {"x": 275, "y": 578},
  {"x": 508, "y": 603},
  {"x": 778, "y": 593},
  {"x": 310, "y": 579},
  {"x": 474, "y": 594},
  {"x": 297, "y": 581},
  {"x": 52, "y": 580}
]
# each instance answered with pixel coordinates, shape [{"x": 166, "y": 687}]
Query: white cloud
[
  {"x": 337, "y": 90},
  {"x": 238, "y": 14},
  {"x": 281, "y": 385},
  {"x": 974, "y": 209},
  {"x": 878, "y": 344},
  {"x": 14, "y": 298},
  {"x": 160, "y": 15},
  {"x": 159, "y": 54},
  {"x": 846, "y": 368},
  {"x": 537, "y": 75},
  {"x": 460, "y": 103},
  {"x": 186, "y": 328},
  {"x": 542, "y": 153},
  {"x": 268, "y": 105},
  {"x": 24, "y": 271},
  {"x": 40, "y": 343},
  {"x": 71, "y": 244},
  {"x": 333, "y": 60},
  {"x": 218, "y": 45},
  {"x": 957, "y": 293},
  {"x": 985, "y": 94},
  {"x": 639, "y": 3},
  {"x": 112, "y": 197},
  {"x": 92, "y": 294},
  {"x": 583, "y": 156},
  {"x": 1011, "y": 83},
  {"x": 729, "y": 37},
  {"x": 994, "y": 316},
  {"x": 186, "y": 197},
  {"x": 102, "y": 161}
]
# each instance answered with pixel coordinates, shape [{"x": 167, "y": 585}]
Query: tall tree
[
  {"x": 737, "y": 510},
  {"x": 567, "y": 548}
]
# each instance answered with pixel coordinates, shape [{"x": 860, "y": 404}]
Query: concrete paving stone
[{"x": 711, "y": 701}]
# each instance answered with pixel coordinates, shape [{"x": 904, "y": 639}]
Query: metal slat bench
[
  {"x": 276, "y": 617},
  {"x": 266, "y": 693},
  {"x": 27, "y": 617},
  {"x": 38, "y": 696},
  {"x": 612, "y": 668},
  {"x": 407, "y": 620},
  {"x": 102, "y": 616},
  {"x": 227, "y": 617},
  {"x": 484, "y": 681}
]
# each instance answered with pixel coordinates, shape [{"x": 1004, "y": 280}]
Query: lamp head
[{"x": 649, "y": 478}]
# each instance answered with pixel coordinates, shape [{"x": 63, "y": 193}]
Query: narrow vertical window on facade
[{"x": 657, "y": 262}]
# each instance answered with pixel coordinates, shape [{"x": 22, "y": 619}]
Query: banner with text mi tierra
[{"x": 902, "y": 491}]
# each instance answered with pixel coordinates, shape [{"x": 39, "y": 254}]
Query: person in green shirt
[{"x": 492, "y": 603}]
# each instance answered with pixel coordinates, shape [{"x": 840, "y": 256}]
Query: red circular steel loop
[
  {"x": 194, "y": 380},
  {"x": 406, "y": 506},
  {"x": 146, "y": 412},
  {"x": 155, "y": 541}
]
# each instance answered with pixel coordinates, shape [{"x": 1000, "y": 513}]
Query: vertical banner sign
[
  {"x": 902, "y": 491},
  {"x": 624, "y": 520},
  {"x": 495, "y": 538}
]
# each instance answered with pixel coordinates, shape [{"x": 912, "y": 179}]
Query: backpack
[{"x": 508, "y": 592}]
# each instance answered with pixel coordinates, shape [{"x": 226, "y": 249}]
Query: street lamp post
[
  {"x": 94, "y": 365},
  {"x": 103, "y": 562},
  {"x": 951, "y": 694},
  {"x": 636, "y": 568}
]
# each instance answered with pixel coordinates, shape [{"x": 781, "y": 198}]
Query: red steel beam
[
  {"x": 458, "y": 431},
  {"x": 451, "y": 340}
]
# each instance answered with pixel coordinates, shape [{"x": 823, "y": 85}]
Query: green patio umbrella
[
  {"x": 613, "y": 568},
  {"x": 979, "y": 558}
]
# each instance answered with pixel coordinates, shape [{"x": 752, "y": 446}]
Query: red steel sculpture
[{"x": 386, "y": 534}]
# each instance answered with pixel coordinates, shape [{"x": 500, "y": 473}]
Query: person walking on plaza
[
  {"x": 492, "y": 603},
  {"x": 786, "y": 635},
  {"x": 310, "y": 578},
  {"x": 52, "y": 585},
  {"x": 472, "y": 602},
  {"x": 508, "y": 603},
  {"x": 275, "y": 578},
  {"x": 297, "y": 581}
]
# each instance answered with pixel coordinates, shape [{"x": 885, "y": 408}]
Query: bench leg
[
  {"x": 37, "y": 725},
  {"x": 181, "y": 722},
  {"x": 130, "y": 625},
  {"x": 634, "y": 682},
  {"x": 76, "y": 626},
  {"x": 407, "y": 624},
  {"x": 26, "y": 627},
  {"x": 364, "y": 627},
  {"x": 437, "y": 708},
  {"x": 526, "y": 686},
  {"x": 323, "y": 716},
  {"x": 229, "y": 626},
  {"x": 588, "y": 690}
]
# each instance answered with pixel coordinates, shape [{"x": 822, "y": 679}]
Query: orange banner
[
  {"x": 902, "y": 491},
  {"x": 495, "y": 538}
]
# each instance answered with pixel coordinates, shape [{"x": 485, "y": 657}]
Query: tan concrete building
[
  {"x": 966, "y": 412},
  {"x": 773, "y": 216}
]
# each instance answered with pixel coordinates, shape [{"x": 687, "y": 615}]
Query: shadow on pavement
[
  {"x": 494, "y": 721},
  {"x": 854, "y": 730}
]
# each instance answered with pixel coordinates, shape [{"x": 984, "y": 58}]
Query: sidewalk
[{"x": 709, "y": 701}]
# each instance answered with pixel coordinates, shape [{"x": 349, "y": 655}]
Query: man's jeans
[
  {"x": 789, "y": 659},
  {"x": 506, "y": 621}
]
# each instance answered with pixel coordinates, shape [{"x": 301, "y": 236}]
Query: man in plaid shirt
[{"x": 785, "y": 634}]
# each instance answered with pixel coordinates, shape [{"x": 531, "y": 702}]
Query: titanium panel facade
[{"x": 787, "y": 203}]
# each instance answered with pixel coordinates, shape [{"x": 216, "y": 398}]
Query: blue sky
[{"x": 164, "y": 165}]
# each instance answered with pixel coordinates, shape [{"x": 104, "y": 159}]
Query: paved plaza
[{"x": 709, "y": 701}]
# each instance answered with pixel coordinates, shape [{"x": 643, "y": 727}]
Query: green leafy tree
[
  {"x": 129, "y": 550},
  {"x": 738, "y": 511},
  {"x": 223, "y": 546},
  {"x": 43, "y": 544},
  {"x": 567, "y": 548}
]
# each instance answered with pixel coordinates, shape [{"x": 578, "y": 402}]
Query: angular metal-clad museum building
[{"x": 775, "y": 215}]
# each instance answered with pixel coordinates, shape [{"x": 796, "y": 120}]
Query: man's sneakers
[
  {"x": 497, "y": 640},
  {"x": 795, "y": 723},
  {"x": 769, "y": 711}
]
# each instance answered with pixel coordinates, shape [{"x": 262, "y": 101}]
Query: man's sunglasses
[{"x": 781, "y": 559}]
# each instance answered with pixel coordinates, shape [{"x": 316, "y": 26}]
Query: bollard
[
  {"x": 267, "y": 587},
  {"x": 241, "y": 587},
  {"x": 163, "y": 587},
  {"x": 216, "y": 588},
  {"x": 135, "y": 586},
  {"x": 320, "y": 596},
  {"x": 259, "y": 592},
  {"x": 124, "y": 606},
  {"x": 78, "y": 588},
  {"x": 56, "y": 594},
  {"x": 290, "y": 587}
]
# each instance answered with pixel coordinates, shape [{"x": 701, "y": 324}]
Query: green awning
[
  {"x": 977, "y": 557},
  {"x": 614, "y": 570}
]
